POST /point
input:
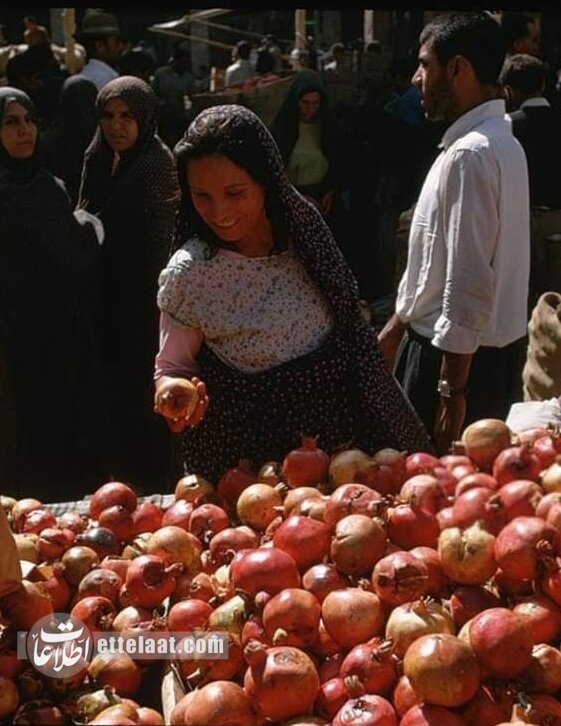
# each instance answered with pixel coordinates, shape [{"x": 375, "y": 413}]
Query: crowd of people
[{"x": 142, "y": 247}]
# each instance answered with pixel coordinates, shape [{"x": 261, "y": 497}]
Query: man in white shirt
[
  {"x": 104, "y": 43},
  {"x": 463, "y": 296},
  {"x": 242, "y": 68}
]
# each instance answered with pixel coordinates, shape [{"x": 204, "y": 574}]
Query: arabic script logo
[{"x": 59, "y": 645}]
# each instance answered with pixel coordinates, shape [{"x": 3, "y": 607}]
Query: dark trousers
[{"x": 494, "y": 382}]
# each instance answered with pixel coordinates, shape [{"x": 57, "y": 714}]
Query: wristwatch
[{"x": 446, "y": 390}]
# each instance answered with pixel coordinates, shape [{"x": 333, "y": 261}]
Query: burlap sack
[
  {"x": 10, "y": 571},
  {"x": 542, "y": 371}
]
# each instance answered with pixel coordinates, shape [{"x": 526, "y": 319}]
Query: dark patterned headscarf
[
  {"x": 147, "y": 161},
  {"x": 17, "y": 171},
  {"x": 237, "y": 133}
]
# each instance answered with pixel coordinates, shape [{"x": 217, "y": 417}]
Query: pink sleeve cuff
[{"x": 178, "y": 349}]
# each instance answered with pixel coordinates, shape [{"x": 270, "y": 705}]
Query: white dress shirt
[
  {"x": 535, "y": 102},
  {"x": 238, "y": 72},
  {"x": 98, "y": 72},
  {"x": 466, "y": 280}
]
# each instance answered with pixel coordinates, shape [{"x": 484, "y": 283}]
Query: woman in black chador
[
  {"x": 48, "y": 407},
  {"x": 129, "y": 181},
  {"x": 71, "y": 132}
]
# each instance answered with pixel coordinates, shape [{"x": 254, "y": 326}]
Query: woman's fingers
[{"x": 176, "y": 425}]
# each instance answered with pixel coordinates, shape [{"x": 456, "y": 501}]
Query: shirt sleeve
[
  {"x": 175, "y": 284},
  {"x": 469, "y": 199},
  {"x": 178, "y": 349}
]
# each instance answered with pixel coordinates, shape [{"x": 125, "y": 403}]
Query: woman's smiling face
[{"x": 228, "y": 199}]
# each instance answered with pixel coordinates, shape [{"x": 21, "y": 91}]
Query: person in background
[
  {"x": 315, "y": 54},
  {"x": 521, "y": 33},
  {"x": 536, "y": 125},
  {"x": 104, "y": 43},
  {"x": 463, "y": 296},
  {"x": 265, "y": 62},
  {"x": 37, "y": 73},
  {"x": 47, "y": 254},
  {"x": 271, "y": 43},
  {"x": 65, "y": 142},
  {"x": 34, "y": 34},
  {"x": 241, "y": 68},
  {"x": 129, "y": 181},
  {"x": 308, "y": 137},
  {"x": 299, "y": 59},
  {"x": 137, "y": 62},
  {"x": 21, "y": 74},
  {"x": 337, "y": 53},
  {"x": 202, "y": 79},
  {"x": 174, "y": 85},
  {"x": 260, "y": 311}
]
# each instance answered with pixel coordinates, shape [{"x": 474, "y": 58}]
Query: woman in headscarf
[
  {"x": 48, "y": 359},
  {"x": 68, "y": 137},
  {"x": 129, "y": 180},
  {"x": 310, "y": 141},
  {"x": 260, "y": 311}
]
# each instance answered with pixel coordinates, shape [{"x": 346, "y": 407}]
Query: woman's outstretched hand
[{"x": 180, "y": 401}]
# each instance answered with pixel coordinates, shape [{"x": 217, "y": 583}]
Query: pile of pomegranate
[{"x": 390, "y": 589}]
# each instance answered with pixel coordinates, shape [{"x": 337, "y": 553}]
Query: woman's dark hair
[
  {"x": 476, "y": 36},
  {"x": 223, "y": 135}
]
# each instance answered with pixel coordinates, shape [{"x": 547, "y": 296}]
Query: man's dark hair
[
  {"x": 244, "y": 49},
  {"x": 476, "y": 36},
  {"x": 136, "y": 62},
  {"x": 337, "y": 48},
  {"x": 523, "y": 72},
  {"x": 265, "y": 62},
  {"x": 514, "y": 26},
  {"x": 18, "y": 68}
]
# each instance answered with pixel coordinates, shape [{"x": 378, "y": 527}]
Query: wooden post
[
  {"x": 69, "y": 27},
  {"x": 368, "y": 27},
  {"x": 300, "y": 29}
]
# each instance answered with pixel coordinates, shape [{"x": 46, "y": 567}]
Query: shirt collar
[
  {"x": 96, "y": 63},
  {"x": 472, "y": 118},
  {"x": 538, "y": 101}
]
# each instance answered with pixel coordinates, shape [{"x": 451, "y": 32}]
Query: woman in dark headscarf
[
  {"x": 310, "y": 141},
  {"x": 46, "y": 256},
  {"x": 129, "y": 180},
  {"x": 261, "y": 312},
  {"x": 67, "y": 139}
]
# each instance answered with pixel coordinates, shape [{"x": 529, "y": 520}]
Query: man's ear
[{"x": 457, "y": 66}]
